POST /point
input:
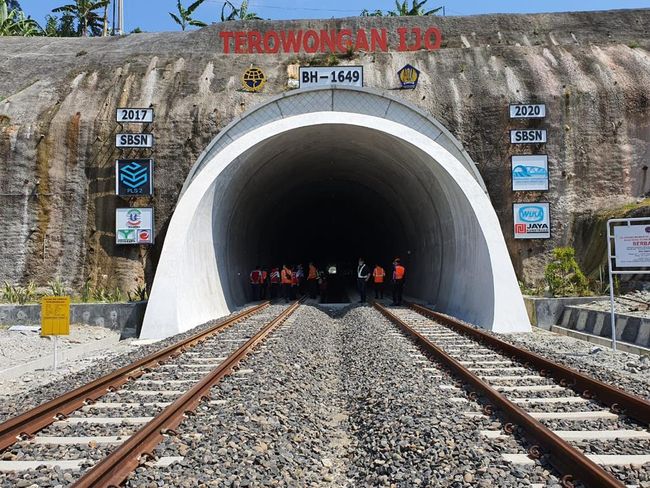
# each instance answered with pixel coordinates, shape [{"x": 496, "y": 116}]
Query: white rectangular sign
[
  {"x": 527, "y": 111},
  {"x": 310, "y": 76},
  {"x": 134, "y": 226},
  {"x": 528, "y": 136},
  {"x": 632, "y": 246},
  {"x": 134, "y": 115},
  {"x": 530, "y": 173},
  {"x": 134, "y": 140},
  {"x": 532, "y": 220}
]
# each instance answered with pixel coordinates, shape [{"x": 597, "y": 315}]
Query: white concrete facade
[{"x": 462, "y": 243}]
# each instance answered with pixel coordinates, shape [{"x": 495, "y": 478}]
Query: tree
[
  {"x": 61, "y": 27},
  {"x": 376, "y": 13},
  {"x": 14, "y": 23},
  {"x": 402, "y": 9},
  {"x": 84, "y": 12},
  {"x": 13, "y": 5},
  {"x": 240, "y": 13},
  {"x": 184, "y": 17}
]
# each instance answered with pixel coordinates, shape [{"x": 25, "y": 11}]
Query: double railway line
[
  {"x": 124, "y": 415},
  {"x": 102, "y": 432},
  {"x": 531, "y": 395}
]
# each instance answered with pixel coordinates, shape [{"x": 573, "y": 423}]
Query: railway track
[
  {"x": 558, "y": 412},
  {"x": 101, "y": 432}
]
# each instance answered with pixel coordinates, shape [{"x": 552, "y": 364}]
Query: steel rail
[
  {"x": 618, "y": 400},
  {"x": 115, "y": 468},
  {"x": 27, "y": 424},
  {"x": 565, "y": 458}
]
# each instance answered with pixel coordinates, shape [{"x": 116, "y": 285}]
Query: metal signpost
[
  {"x": 311, "y": 76},
  {"x": 631, "y": 249},
  {"x": 55, "y": 320}
]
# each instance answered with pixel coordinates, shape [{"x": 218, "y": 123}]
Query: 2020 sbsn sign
[{"x": 528, "y": 136}]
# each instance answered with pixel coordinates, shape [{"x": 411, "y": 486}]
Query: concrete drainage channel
[{"x": 335, "y": 397}]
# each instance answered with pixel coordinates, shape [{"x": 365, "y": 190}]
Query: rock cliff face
[{"x": 57, "y": 123}]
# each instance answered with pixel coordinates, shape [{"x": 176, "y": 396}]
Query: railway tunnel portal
[{"x": 329, "y": 175}]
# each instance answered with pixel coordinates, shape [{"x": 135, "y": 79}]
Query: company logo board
[
  {"x": 134, "y": 226},
  {"x": 532, "y": 220},
  {"x": 408, "y": 77},
  {"x": 253, "y": 79},
  {"x": 134, "y": 140},
  {"x": 530, "y": 173},
  {"x": 311, "y": 76},
  {"x": 632, "y": 246},
  {"x": 134, "y": 177},
  {"x": 527, "y": 111}
]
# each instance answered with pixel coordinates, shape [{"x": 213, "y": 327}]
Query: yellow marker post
[{"x": 55, "y": 319}]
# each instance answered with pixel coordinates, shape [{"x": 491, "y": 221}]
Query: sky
[{"x": 152, "y": 15}]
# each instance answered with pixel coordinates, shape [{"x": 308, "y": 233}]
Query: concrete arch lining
[
  {"x": 458, "y": 227},
  {"x": 344, "y": 99}
]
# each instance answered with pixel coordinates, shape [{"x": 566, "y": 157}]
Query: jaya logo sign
[
  {"x": 134, "y": 177},
  {"x": 330, "y": 40},
  {"x": 134, "y": 226},
  {"x": 530, "y": 173},
  {"x": 532, "y": 220}
]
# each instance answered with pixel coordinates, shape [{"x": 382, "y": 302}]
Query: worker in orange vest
[
  {"x": 312, "y": 280},
  {"x": 275, "y": 282},
  {"x": 256, "y": 282},
  {"x": 285, "y": 277},
  {"x": 378, "y": 275},
  {"x": 399, "y": 274}
]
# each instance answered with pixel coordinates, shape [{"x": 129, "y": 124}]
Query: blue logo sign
[
  {"x": 531, "y": 213},
  {"x": 408, "y": 77},
  {"x": 134, "y": 177},
  {"x": 520, "y": 171}
]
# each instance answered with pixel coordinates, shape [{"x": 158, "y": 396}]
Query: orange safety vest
[
  {"x": 313, "y": 273},
  {"x": 264, "y": 275},
  {"x": 399, "y": 272},
  {"x": 378, "y": 274},
  {"x": 275, "y": 276},
  {"x": 294, "y": 278},
  {"x": 286, "y": 277},
  {"x": 256, "y": 277}
]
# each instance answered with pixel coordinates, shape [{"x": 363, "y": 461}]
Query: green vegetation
[
  {"x": 563, "y": 275},
  {"x": 240, "y": 13},
  {"x": 402, "y": 10},
  {"x": 88, "y": 20},
  {"x": 18, "y": 294},
  {"x": 13, "y": 21},
  {"x": 22, "y": 295},
  {"x": 184, "y": 17}
]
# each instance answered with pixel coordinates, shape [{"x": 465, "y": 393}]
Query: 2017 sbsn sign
[{"x": 334, "y": 41}]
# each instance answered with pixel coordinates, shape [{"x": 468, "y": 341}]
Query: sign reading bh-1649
[
  {"x": 330, "y": 75},
  {"x": 528, "y": 136},
  {"x": 134, "y": 140}
]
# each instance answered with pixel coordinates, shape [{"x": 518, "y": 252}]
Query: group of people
[
  {"x": 378, "y": 275},
  {"x": 287, "y": 282},
  {"x": 290, "y": 281}
]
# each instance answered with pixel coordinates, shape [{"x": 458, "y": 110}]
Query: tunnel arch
[{"x": 400, "y": 179}]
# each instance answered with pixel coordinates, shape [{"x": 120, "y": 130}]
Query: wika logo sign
[
  {"x": 134, "y": 177},
  {"x": 531, "y": 213},
  {"x": 532, "y": 221}
]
